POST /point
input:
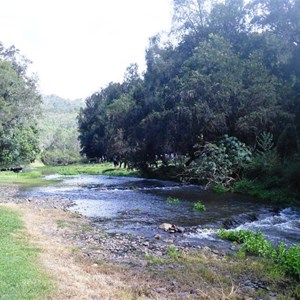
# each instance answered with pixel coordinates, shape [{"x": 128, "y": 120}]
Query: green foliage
[
  {"x": 19, "y": 108},
  {"x": 290, "y": 174},
  {"x": 57, "y": 157},
  {"x": 287, "y": 145},
  {"x": 173, "y": 252},
  {"x": 31, "y": 178},
  {"x": 58, "y": 131},
  {"x": 171, "y": 200},
  {"x": 199, "y": 206},
  {"x": 220, "y": 163},
  {"x": 286, "y": 258},
  {"x": 265, "y": 144},
  {"x": 154, "y": 260},
  {"x": 264, "y": 158},
  {"x": 92, "y": 169},
  {"x": 222, "y": 76},
  {"x": 219, "y": 188},
  {"x": 259, "y": 190},
  {"x": 20, "y": 275}
]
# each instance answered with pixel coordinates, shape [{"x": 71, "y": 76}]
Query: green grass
[
  {"x": 20, "y": 274},
  {"x": 284, "y": 258},
  {"x": 24, "y": 178},
  {"x": 36, "y": 177},
  {"x": 92, "y": 169},
  {"x": 171, "y": 200}
]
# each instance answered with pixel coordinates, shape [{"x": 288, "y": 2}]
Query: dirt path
[{"x": 75, "y": 276}]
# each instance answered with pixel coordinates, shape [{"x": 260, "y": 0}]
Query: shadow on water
[{"x": 139, "y": 206}]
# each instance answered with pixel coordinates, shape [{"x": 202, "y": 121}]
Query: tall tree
[{"x": 19, "y": 108}]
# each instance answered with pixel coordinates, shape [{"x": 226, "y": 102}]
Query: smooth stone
[{"x": 165, "y": 226}]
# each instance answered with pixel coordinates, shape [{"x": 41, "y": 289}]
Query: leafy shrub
[
  {"x": 262, "y": 191},
  {"x": 220, "y": 163},
  {"x": 199, "y": 206},
  {"x": 253, "y": 242},
  {"x": 219, "y": 188},
  {"x": 244, "y": 186},
  {"x": 287, "y": 259},
  {"x": 264, "y": 158}
]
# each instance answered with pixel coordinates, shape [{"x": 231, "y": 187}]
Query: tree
[
  {"x": 19, "y": 108},
  {"x": 216, "y": 75}
]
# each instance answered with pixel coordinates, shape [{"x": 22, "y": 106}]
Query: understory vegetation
[
  {"x": 92, "y": 169},
  {"x": 36, "y": 176},
  {"x": 285, "y": 258},
  {"x": 20, "y": 274},
  {"x": 224, "y": 276}
]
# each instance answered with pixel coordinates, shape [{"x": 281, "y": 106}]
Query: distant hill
[
  {"x": 54, "y": 103},
  {"x": 58, "y": 127}
]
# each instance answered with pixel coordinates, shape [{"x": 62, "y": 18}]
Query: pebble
[{"x": 157, "y": 236}]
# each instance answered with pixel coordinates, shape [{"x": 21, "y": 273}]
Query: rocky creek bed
[
  {"x": 169, "y": 264},
  {"x": 114, "y": 246}
]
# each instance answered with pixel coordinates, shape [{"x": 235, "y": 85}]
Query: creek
[{"x": 138, "y": 206}]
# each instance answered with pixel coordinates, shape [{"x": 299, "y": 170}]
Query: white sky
[{"x": 79, "y": 46}]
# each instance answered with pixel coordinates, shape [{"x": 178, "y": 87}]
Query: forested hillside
[
  {"x": 59, "y": 130},
  {"x": 220, "y": 96}
]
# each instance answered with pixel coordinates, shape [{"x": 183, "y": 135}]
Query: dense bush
[
  {"x": 220, "y": 163},
  {"x": 199, "y": 206}
]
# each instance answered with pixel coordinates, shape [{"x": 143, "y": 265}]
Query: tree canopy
[
  {"x": 19, "y": 108},
  {"x": 229, "y": 67}
]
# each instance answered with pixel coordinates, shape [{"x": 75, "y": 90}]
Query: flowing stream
[{"x": 138, "y": 206}]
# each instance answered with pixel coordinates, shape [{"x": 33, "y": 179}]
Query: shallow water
[{"x": 138, "y": 206}]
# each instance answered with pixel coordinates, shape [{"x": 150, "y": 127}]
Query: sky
[{"x": 79, "y": 46}]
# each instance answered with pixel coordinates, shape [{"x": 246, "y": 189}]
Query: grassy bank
[
  {"x": 36, "y": 176},
  {"x": 217, "y": 277},
  {"x": 20, "y": 274},
  {"x": 23, "y": 178},
  {"x": 92, "y": 169},
  {"x": 261, "y": 191}
]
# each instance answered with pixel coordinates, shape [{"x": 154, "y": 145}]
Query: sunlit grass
[
  {"x": 92, "y": 169},
  {"x": 26, "y": 178},
  {"x": 21, "y": 276},
  {"x": 37, "y": 175},
  {"x": 222, "y": 275}
]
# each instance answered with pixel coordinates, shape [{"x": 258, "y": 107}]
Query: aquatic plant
[
  {"x": 171, "y": 200},
  {"x": 199, "y": 206}
]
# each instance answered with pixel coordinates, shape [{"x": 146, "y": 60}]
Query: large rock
[
  {"x": 165, "y": 226},
  {"x": 171, "y": 228}
]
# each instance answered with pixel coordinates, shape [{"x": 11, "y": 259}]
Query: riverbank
[{"x": 86, "y": 261}]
